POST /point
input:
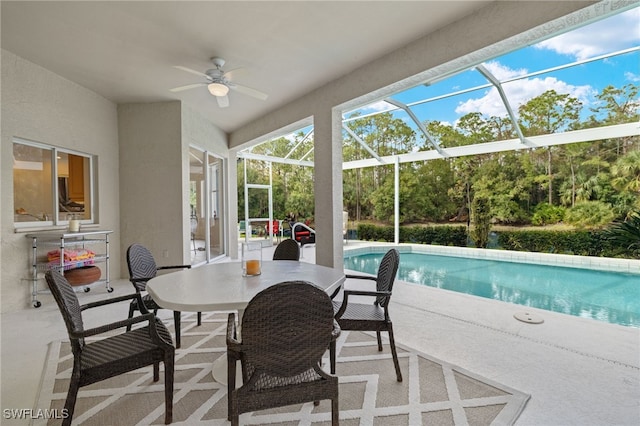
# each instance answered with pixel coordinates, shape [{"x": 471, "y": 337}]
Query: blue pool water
[{"x": 605, "y": 296}]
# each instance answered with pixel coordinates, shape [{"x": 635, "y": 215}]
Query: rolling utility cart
[{"x": 72, "y": 254}]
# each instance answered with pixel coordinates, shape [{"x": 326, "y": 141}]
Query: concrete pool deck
[{"x": 578, "y": 371}]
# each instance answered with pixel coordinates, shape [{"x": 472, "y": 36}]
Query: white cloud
[
  {"x": 615, "y": 33},
  {"x": 518, "y": 92},
  {"x": 380, "y": 106},
  {"x": 503, "y": 72},
  {"x": 632, "y": 77}
]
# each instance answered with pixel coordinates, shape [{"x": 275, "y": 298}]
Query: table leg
[{"x": 219, "y": 367}]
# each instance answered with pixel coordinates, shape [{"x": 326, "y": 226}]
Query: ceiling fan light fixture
[{"x": 218, "y": 89}]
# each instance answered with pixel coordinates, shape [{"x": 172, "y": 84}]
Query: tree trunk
[{"x": 550, "y": 176}]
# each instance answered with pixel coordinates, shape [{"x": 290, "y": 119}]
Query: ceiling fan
[{"x": 219, "y": 82}]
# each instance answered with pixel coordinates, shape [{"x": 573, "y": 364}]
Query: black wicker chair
[
  {"x": 375, "y": 316},
  {"x": 116, "y": 354},
  {"x": 285, "y": 331},
  {"x": 142, "y": 267},
  {"x": 288, "y": 249}
]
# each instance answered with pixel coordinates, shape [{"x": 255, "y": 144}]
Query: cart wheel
[
  {"x": 110, "y": 290},
  {"x": 87, "y": 289},
  {"x": 37, "y": 304}
]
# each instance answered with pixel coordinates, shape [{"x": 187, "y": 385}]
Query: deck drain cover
[{"x": 528, "y": 317}]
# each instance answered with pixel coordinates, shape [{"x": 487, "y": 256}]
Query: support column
[
  {"x": 396, "y": 201},
  {"x": 232, "y": 204},
  {"x": 328, "y": 187}
]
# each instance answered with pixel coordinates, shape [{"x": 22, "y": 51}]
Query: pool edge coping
[{"x": 552, "y": 259}]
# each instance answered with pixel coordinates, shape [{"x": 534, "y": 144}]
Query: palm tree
[{"x": 626, "y": 234}]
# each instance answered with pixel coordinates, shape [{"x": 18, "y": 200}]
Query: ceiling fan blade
[
  {"x": 231, "y": 74},
  {"x": 249, "y": 91},
  {"x": 187, "y": 87},
  {"x": 223, "y": 101},
  {"x": 189, "y": 70}
]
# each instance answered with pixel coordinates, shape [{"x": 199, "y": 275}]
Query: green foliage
[
  {"x": 581, "y": 243},
  {"x": 481, "y": 216},
  {"x": 546, "y": 214},
  {"x": 590, "y": 214},
  {"x": 626, "y": 235},
  {"x": 440, "y": 235},
  {"x": 522, "y": 187},
  {"x": 421, "y": 193},
  {"x": 549, "y": 112}
]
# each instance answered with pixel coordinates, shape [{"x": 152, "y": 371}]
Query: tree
[
  {"x": 618, "y": 105},
  {"x": 481, "y": 214},
  {"x": 385, "y": 135},
  {"x": 549, "y": 113}
]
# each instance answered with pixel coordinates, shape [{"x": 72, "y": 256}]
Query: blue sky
[{"x": 613, "y": 34}]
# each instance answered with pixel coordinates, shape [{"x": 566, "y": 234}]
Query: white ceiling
[{"x": 125, "y": 51}]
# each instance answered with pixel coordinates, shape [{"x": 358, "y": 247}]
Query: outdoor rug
[{"x": 433, "y": 392}]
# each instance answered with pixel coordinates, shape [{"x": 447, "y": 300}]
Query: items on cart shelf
[
  {"x": 82, "y": 275},
  {"x": 72, "y": 258}
]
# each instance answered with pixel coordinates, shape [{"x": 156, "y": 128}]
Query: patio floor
[{"x": 578, "y": 371}]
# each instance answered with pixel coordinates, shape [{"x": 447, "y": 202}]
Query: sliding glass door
[{"x": 206, "y": 184}]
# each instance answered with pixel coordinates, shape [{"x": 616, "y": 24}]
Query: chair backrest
[
  {"x": 387, "y": 275},
  {"x": 286, "y": 329},
  {"x": 274, "y": 227},
  {"x": 68, "y": 304},
  {"x": 141, "y": 264},
  {"x": 288, "y": 249}
]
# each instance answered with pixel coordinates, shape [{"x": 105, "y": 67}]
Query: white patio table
[{"x": 221, "y": 287}]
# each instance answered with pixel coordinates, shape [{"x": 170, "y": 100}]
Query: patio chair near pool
[
  {"x": 374, "y": 316},
  {"x": 142, "y": 267},
  {"x": 288, "y": 249},
  {"x": 285, "y": 331},
  {"x": 95, "y": 361}
]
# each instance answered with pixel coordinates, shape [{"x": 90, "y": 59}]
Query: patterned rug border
[
  {"x": 512, "y": 410},
  {"x": 510, "y": 413}
]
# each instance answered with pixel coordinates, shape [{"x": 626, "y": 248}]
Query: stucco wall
[
  {"x": 41, "y": 106},
  {"x": 151, "y": 179},
  {"x": 154, "y": 175}
]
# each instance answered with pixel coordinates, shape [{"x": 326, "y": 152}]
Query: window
[{"x": 48, "y": 192}]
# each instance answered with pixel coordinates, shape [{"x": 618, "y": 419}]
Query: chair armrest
[
  {"x": 113, "y": 326},
  {"x": 155, "y": 336},
  {"x": 348, "y": 293},
  {"x": 232, "y": 332},
  {"x": 111, "y": 300},
  {"x": 362, "y": 277},
  {"x": 335, "y": 292},
  {"x": 174, "y": 267}
]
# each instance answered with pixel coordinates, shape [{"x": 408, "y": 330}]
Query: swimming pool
[{"x": 605, "y": 296}]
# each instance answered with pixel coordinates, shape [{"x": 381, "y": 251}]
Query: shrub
[
  {"x": 440, "y": 235},
  {"x": 581, "y": 243},
  {"x": 547, "y": 214},
  {"x": 590, "y": 214}
]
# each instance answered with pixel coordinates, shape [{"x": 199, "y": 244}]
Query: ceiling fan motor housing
[{"x": 218, "y": 62}]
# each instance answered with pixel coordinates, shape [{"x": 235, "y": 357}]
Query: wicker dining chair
[
  {"x": 116, "y": 354},
  {"x": 374, "y": 316},
  {"x": 288, "y": 249},
  {"x": 142, "y": 267},
  {"x": 285, "y": 331}
]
